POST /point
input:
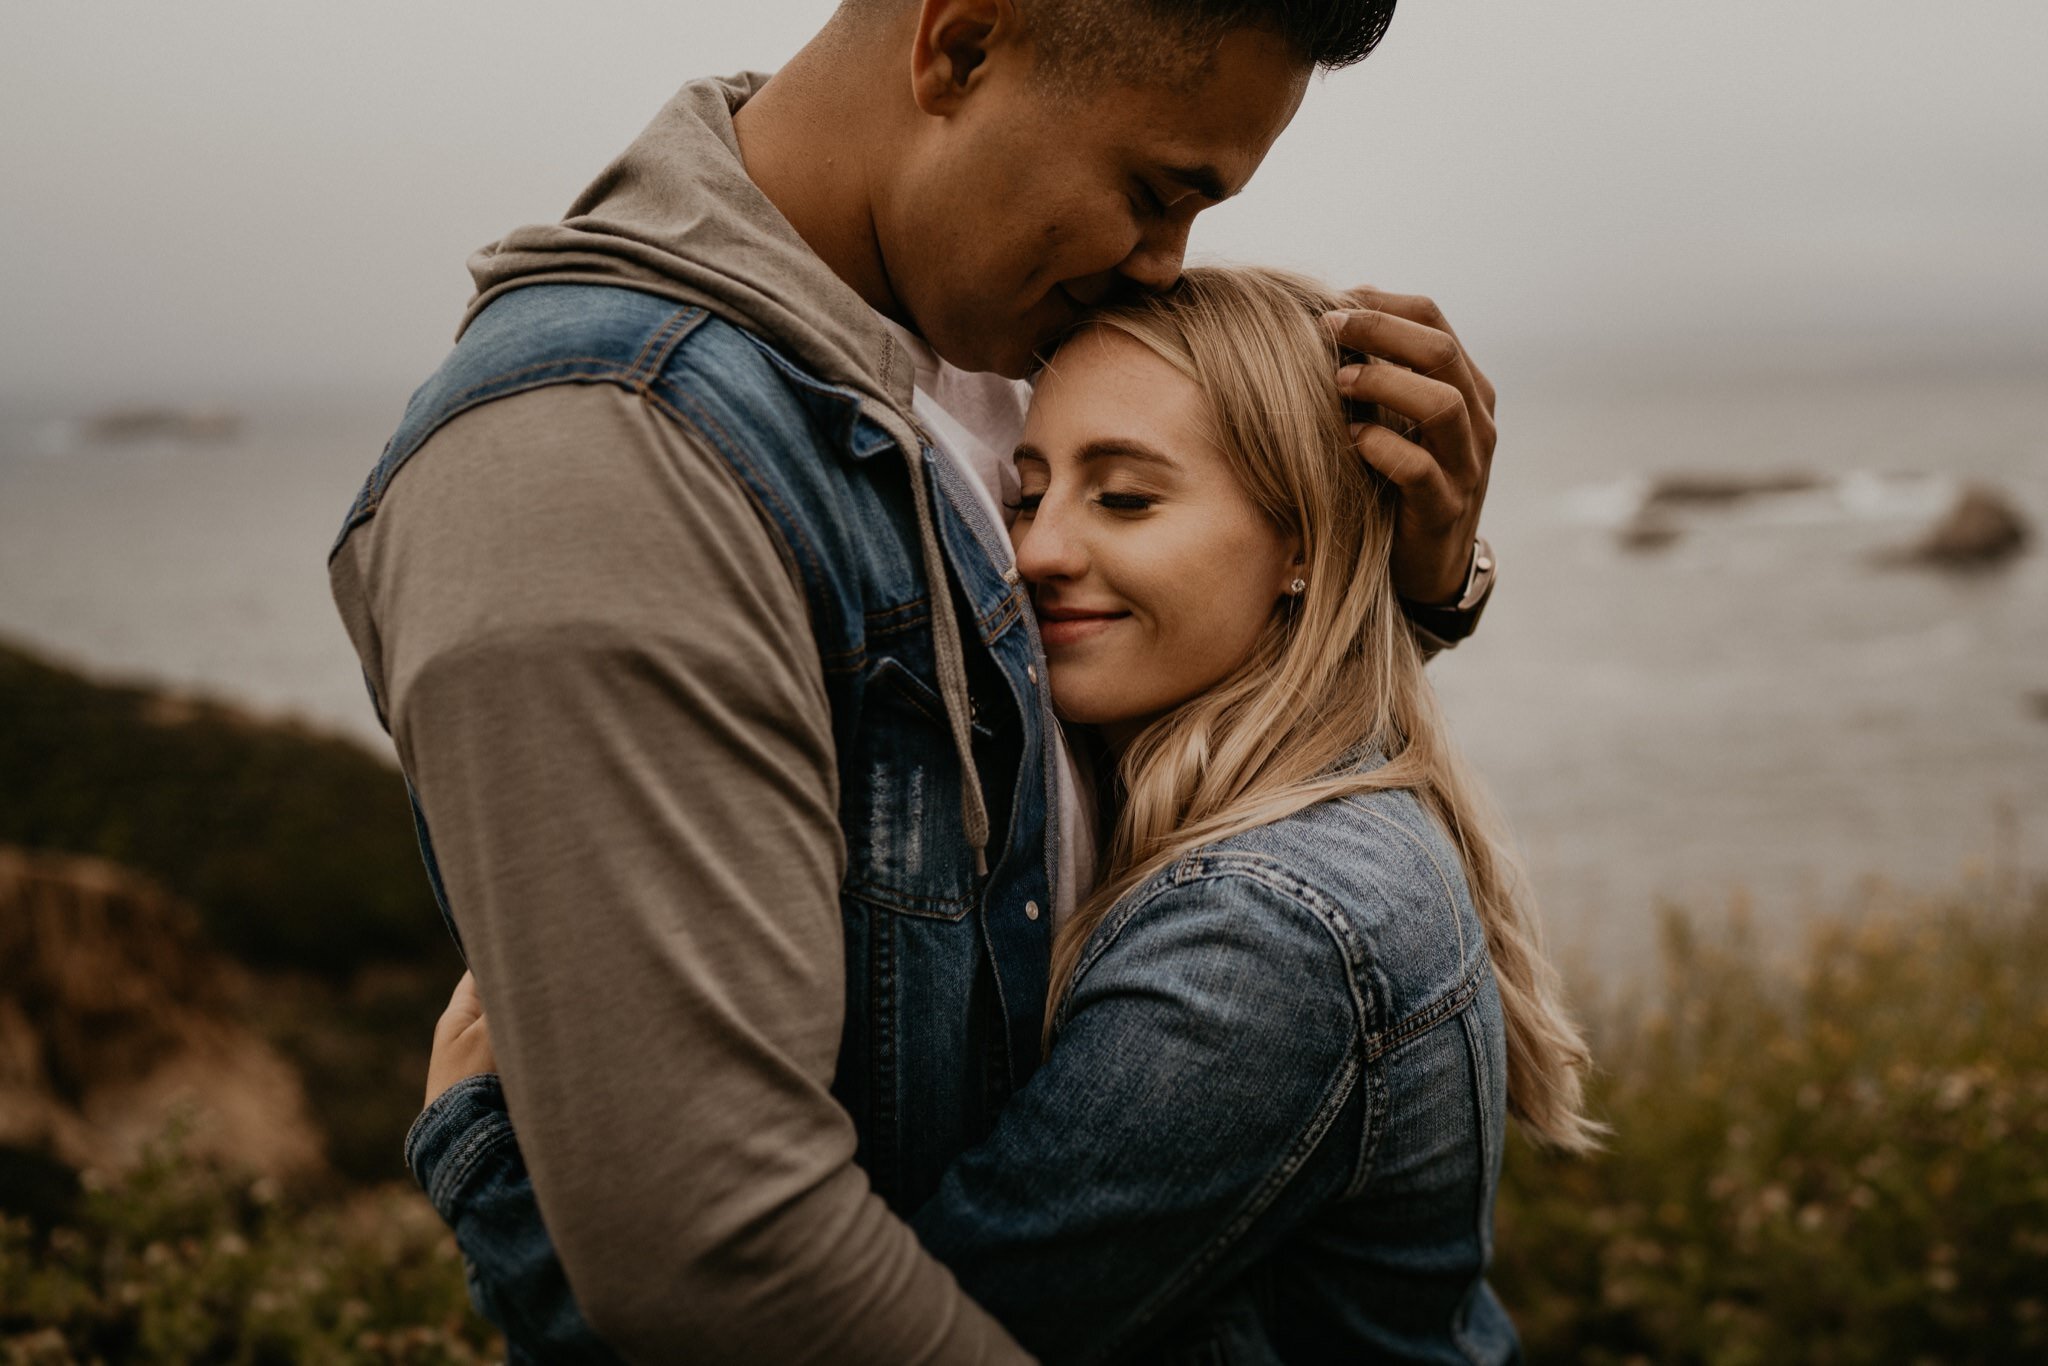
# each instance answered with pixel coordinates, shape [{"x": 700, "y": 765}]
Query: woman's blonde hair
[{"x": 1338, "y": 667}]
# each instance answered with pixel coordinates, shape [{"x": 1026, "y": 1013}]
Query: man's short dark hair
[{"x": 1081, "y": 42}]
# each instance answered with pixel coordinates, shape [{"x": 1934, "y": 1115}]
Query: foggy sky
[{"x": 209, "y": 199}]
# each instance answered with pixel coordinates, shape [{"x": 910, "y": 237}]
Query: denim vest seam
[
  {"x": 888, "y": 621},
  {"x": 562, "y": 370},
  {"x": 373, "y": 492},
  {"x": 700, "y": 420},
  {"x": 841, "y": 661},
  {"x": 884, "y": 1136},
  {"x": 659, "y": 347}
]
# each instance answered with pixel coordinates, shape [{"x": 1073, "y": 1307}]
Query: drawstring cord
[{"x": 952, "y": 663}]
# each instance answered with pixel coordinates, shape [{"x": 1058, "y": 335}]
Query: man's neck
[{"x": 804, "y": 139}]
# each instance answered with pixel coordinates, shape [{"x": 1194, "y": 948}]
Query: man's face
[{"x": 1019, "y": 208}]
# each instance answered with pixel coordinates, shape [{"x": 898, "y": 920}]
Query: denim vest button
[
  {"x": 1031, "y": 910},
  {"x": 1031, "y": 672}
]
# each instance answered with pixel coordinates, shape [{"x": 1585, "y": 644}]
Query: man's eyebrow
[{"x": 1203, "y": 180}]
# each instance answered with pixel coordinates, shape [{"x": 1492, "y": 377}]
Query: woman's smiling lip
[{"x": 1062, "y": 625}]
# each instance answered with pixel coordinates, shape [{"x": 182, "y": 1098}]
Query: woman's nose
[{"x": 1045, "y": 550}]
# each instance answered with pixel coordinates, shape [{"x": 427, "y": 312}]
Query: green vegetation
[
  {"x": 297, "y": 847},
  {"x": 180, "y": 1262},
  {"x": 1837, "y": 1161},
  {"x": 1841, "y": 1161}
]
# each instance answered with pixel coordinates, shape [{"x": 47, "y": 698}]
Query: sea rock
[
  {"x": 1719, "y": 490},
  {"x": 115, "y": 1018},
  {"x": 1982, "y": 528},
  {"x": 1650, "y": 529},
  {"x": 125, "y": 425}
]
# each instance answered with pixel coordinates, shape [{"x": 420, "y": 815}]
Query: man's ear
[{"x": 955, "y": 39}]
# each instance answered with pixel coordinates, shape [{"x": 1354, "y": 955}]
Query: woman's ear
[{"x": 1292, "y": 563}]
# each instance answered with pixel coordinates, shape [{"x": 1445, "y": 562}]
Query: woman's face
[{"x": 1151, "y": 569}]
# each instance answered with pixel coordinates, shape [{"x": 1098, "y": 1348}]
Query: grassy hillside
[
  {"x": 1841, "y": 1158},
  {"x": 297, "y": 847},
  {"x": 297, "y": 850}
]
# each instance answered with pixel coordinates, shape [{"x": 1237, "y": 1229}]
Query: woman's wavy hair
[{"x": 1337, "y": 666}]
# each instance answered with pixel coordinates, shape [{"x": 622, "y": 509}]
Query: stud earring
[{"x": 1298, "y": 587}]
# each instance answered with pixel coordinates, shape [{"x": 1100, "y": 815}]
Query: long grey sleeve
[{"x": 602, "y": 683}]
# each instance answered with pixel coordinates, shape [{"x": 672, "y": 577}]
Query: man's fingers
[
  {"x": 1425, "y": 350},
  {"x": 1421, "y": 311},
  {"x": 1438, "y": 410},
  {"x": 1417, "y": 308},
  {"x": 1426, "y": 494}
]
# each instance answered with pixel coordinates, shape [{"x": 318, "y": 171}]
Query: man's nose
[{"x": 1154, "y": 264}]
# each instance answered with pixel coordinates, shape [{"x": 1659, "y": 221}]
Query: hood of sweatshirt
[{"x": 676, "y": 215}]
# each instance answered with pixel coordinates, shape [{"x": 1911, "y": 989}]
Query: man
[{"x": 697, "y": 634}]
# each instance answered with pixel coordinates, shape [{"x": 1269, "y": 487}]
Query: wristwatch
[{"x": 1442, "y": 627}]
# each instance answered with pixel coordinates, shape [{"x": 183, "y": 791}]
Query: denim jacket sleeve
[
  {"x": 1185, "y": 1121},
  {"x": 464, "y": 1154}
]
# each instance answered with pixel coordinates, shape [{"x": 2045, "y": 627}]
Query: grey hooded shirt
[{"x": 567, "y": 566}]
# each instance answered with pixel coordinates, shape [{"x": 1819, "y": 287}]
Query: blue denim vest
[{"x": 946, "y": 971}]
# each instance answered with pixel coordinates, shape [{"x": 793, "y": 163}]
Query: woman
[{"x": 1286, "y": 1028}]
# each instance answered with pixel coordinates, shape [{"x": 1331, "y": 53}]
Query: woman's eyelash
[{"x": 1115, "y": 502}]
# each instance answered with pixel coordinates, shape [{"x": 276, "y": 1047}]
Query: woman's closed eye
[{"x": 1027, "y": 503}]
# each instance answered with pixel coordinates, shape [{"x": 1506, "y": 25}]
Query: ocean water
[{"x": 1756, "y": 711}]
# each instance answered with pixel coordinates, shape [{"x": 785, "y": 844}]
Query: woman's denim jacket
[{"x": 1269, "y": 1130}]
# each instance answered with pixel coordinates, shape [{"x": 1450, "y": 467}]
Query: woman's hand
[
  {"x": 462, "y": 1040},
  {"x": 1441, "y": 466}
]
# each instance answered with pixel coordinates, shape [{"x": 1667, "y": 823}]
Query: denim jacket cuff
[{"x": 452, "y": 1136}]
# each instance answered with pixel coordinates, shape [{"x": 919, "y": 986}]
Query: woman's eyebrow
[
  {"x": 1103, "y": 448},
  {"x": 1124, "y": 448}
]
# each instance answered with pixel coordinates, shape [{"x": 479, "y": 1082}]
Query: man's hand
[
  {"x": 462, "y": 1040},
  {"x": 1441, "y": 464}
]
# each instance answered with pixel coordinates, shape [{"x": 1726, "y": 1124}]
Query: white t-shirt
[{"x": 976, "y": 419}]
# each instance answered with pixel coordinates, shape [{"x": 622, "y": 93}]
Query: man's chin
[
  {"x": 1015, "y": 360},
  {"x": 1015, "y": 352}
]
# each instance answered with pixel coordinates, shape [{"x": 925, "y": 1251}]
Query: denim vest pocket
[{"x": 901, "y": 803}]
